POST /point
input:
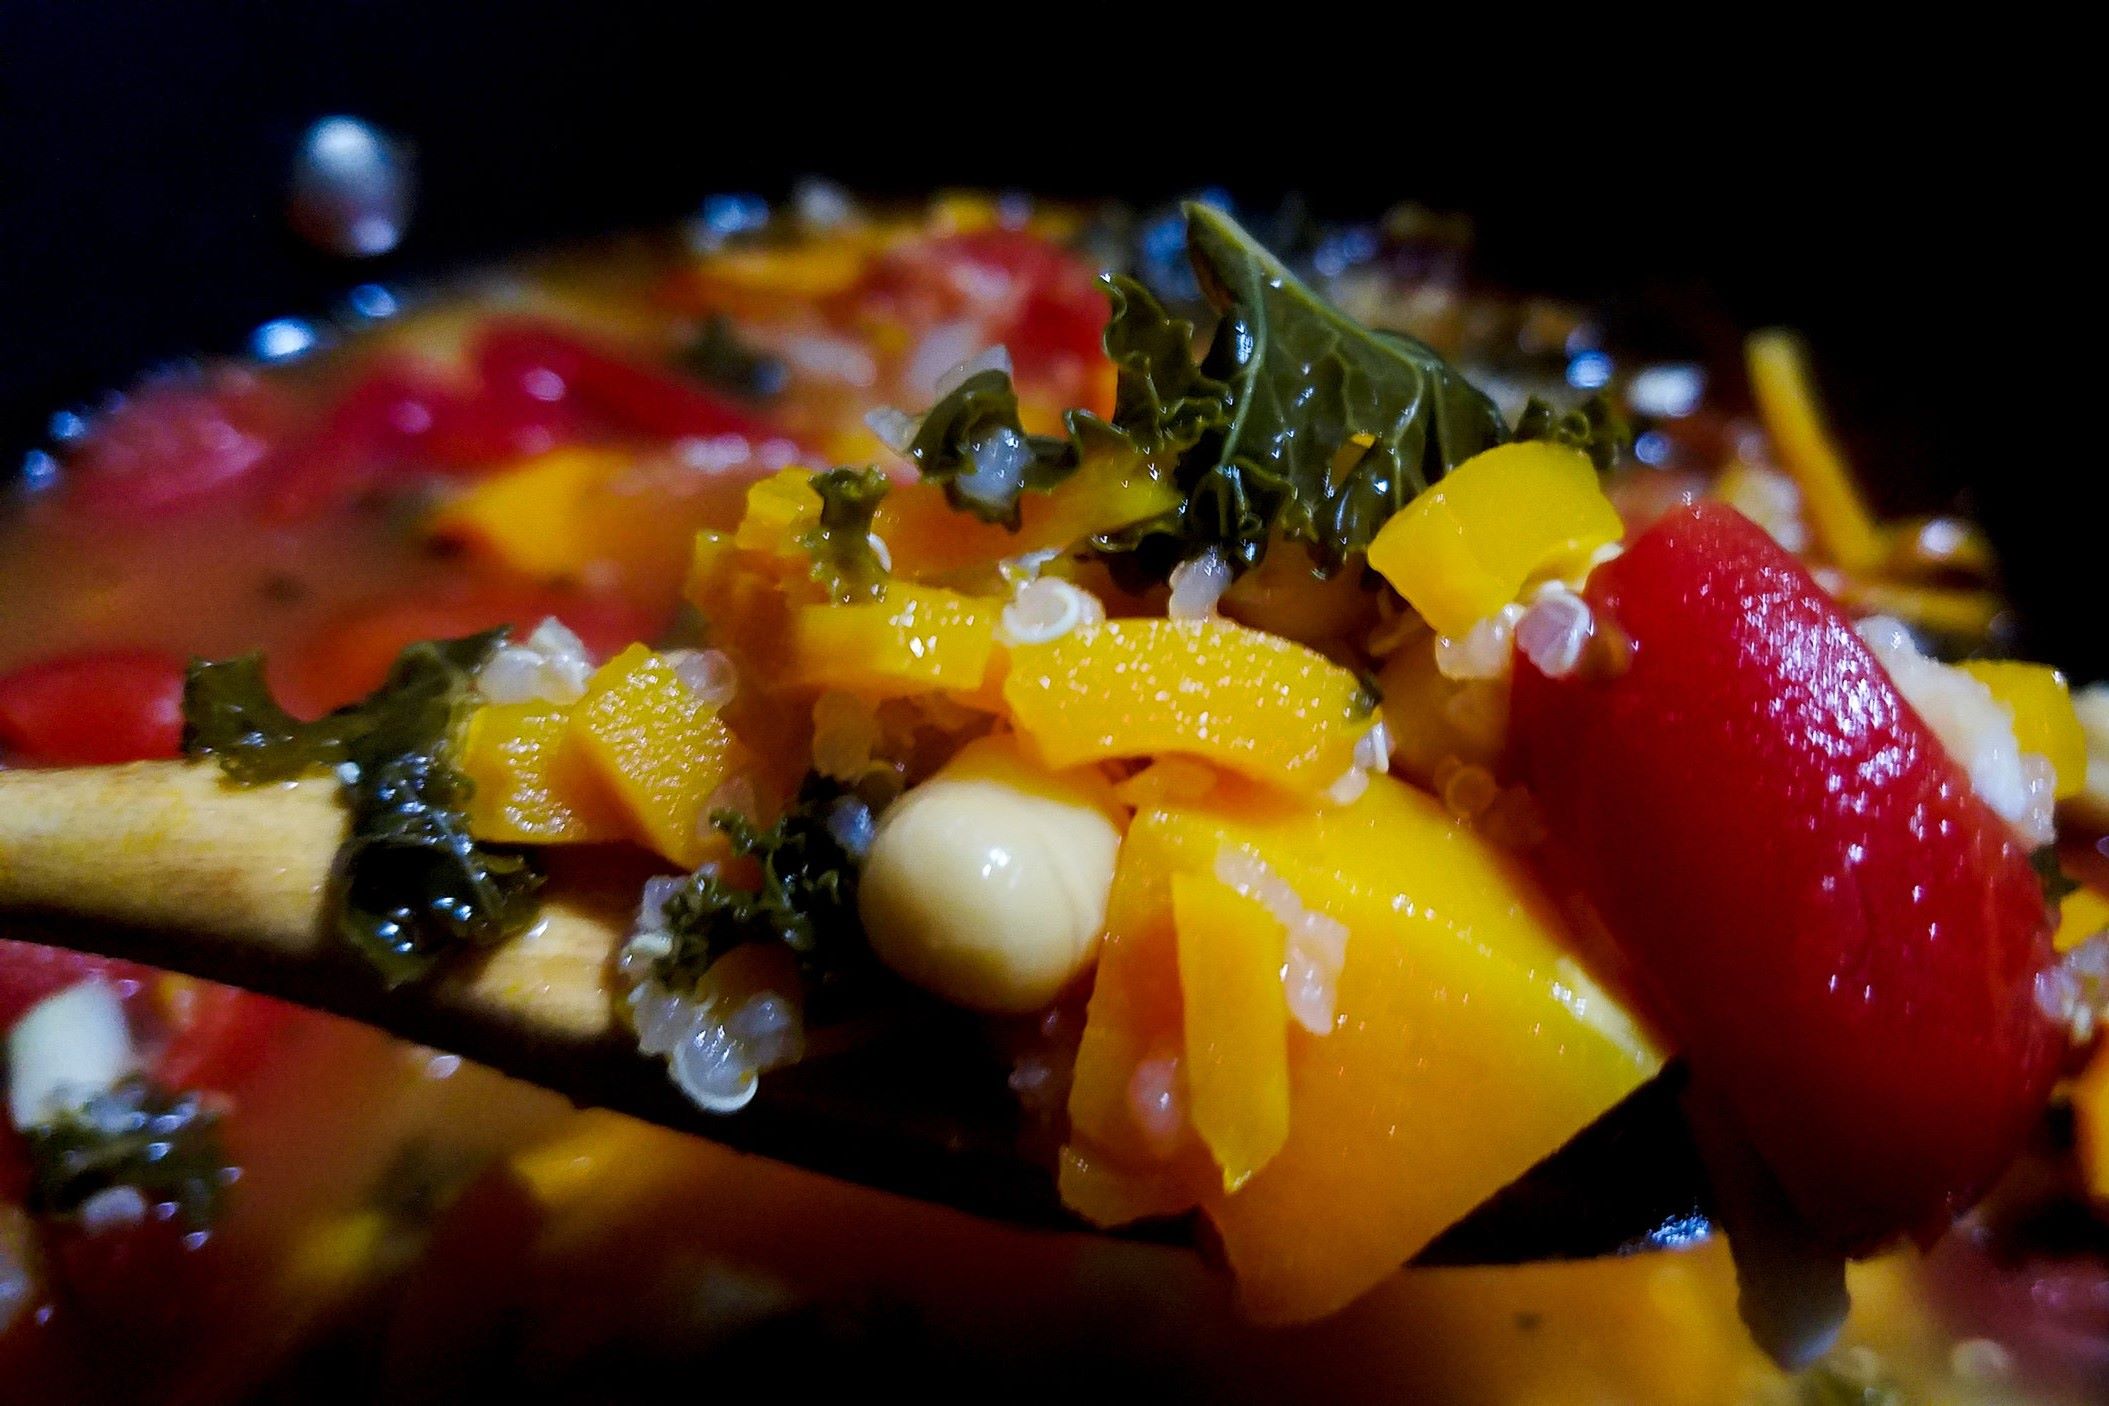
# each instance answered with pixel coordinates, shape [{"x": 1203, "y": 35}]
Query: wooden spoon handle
[{"x": 169, "y": 863}]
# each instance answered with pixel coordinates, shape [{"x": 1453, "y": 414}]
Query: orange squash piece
[
  {"x": 588, "y": 514},
  {"x": 919, "y": 639},
  {"x": 533, "y": 783},
  {"x": 928, "y": 537},
  {"x": 1236, "y": 1023},
  {"x": 1247, "y": 701},
  {"x": 1417, "y": 1105},
  {"x": 660, "y": 752}
]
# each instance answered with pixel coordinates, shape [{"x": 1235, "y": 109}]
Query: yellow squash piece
[
  {"x": 928, "y": 537},
  {"x": 2044, "y": 720},
  {"x": 2081, "y": 914},
  {"x": 780, "y": 508},
  {"x": 1417, "y": 1105},
  {"x": 534, "y": 784},
  {"x": 660, "y": 752},
  {"x": 1778, "y": 364},
  {"x": 1237, "y": 1023},
  {"x": 919, "y": 639},
  {"x": 584, "y": 514},
  {"x": 1247, "y": 701},
  {"x": 2090, "y": 1113},
  {"x": 1467, "y": 547}
]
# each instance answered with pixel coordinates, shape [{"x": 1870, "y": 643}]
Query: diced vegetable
[
  {"x": 411, "y": 882},
  {"x": 1466, "y": 547},
  {"x": 1109, "y": 490},
  {"x": 2044, "y": 721},
  {"x": 179, "y": 443},
  {"x": 2090, "y": 1111},
  {"x": 919, "y": 639},
  {"x": 1786, "y": 397},
  {"x": 1415, "y": 1105},
  {"x": 2081, "y": 914},
  {"x": 660, "y": 752},
  {"x": 93, "y": 709},
  {"x": 1840, "y": 933},
  {"x": 534, "y": 782},
  {"x": 780, "y": 508},
  {"x": 584, "y": 514},
  {"x": 1236, "y": 1023},
  {"x": 1249, "y": 702}
]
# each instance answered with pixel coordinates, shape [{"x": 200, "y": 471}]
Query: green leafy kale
[
  {"x": 844, "y": 560},
  {"x": 164, "y": 1145},
  {"x": 409, "y": 882},
  {"x": 1305, "y": 380},
  {"x": 807, "y": 899},
  {"x": 718, "y": 356},
  {"x": 1595, "y": 427},
  {"x": 1298, "y": 423},
  {"x": 2056, "y": 882},
  {"x": 973, "y": 444}
]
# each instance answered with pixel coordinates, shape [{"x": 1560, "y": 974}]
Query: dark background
[{"x": 1921, "y": 233}]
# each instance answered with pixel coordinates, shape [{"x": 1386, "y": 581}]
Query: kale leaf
[
  {"x": 844, "y": 560},
  {"x": 1307, "y": 384},
  {"x": 719, "y": 356},
  {"x": 2052, "y": 876},
  {"x": 164, "y": 1145},
  {"x": 409, "y": 881},
  {"x": 1595, "y": 427},
  {"x": 807, "y": 899},
  {"x": 1298, "y": 423},
  {"x": 973, "y": 444}
]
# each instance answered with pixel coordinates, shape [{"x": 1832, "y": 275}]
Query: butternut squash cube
[
  {"x": 1466, "y": 547},
  {"x": 1468, "y": 1043},
  {"x": 1247, "y": 701},
  {"x": 534, "y": 785},
  {"x": 661, "y": 753}
]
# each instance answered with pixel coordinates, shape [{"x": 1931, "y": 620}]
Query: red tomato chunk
[
  {"x": 1840, "y": 933},
  {"x": 92, "y": 709}
]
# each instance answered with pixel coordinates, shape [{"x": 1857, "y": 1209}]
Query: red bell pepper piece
[
  {"x": 1843, "y": 938},
  {"x": 91, "y": 709},
  {"x": 176, "y": 442},
  {"x": 628, "y": 397}
]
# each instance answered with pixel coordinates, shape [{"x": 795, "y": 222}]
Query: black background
[{"x": 1925, "y": 233}]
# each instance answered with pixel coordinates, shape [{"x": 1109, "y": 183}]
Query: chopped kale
[
  {"x": 807, "y": 899},
  {"x": 1595, "y": 427},
  {"x": 1298, "y": 423},
  {"x": 844, "y": 560},
  {"x": 166, "y": 1146},
  {"x": 718, "y": 356},
  {"x": 973, "y": 444},
  {"x": 2056, "y": 882},
  {"x": 409, "y": 881}
]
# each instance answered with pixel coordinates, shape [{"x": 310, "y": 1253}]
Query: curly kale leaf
[
  {"x": 844, "y": 560},
  {"x": 2051, "y": 875},
  {"x": 165, "y": 1146},
  {"x": 1307, "y": 384},
  {"x": 409, "y": 882},
  {"x": 1298, "y": 423},
  {"x": 719, "y": 355},
  {"x": 807, "y": 899},
  {"x": 973, "y": 443},
  {"x": 1595, "y": 427}
]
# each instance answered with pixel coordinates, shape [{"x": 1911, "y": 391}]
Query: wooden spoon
[{"x": 168, "y": 864}]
